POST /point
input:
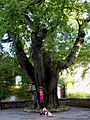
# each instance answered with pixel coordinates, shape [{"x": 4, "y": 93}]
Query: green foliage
[
  {"x": 61, "y": 81},
  {"x": 76, "y": 81},
  {"x": 23, "y": 91},
  {"x": 9, "y": 69},
  {"x": 78, "y": 95},
  {"x": 7, "y": 74},
  {"x": 11, "y": 17},
  {"x": 58, "y": 16},
  {"x": 84, "y": 56}
]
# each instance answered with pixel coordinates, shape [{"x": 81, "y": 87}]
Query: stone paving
[{"x": 20, "y": 114}]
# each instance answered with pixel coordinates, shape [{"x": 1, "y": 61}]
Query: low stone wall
[
  {"x": 75, "y": 102},
  {"x": 15, "y": 104}
]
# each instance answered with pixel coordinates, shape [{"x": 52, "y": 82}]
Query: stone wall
[
  {"x": 15, "y": 104},
  {"x": 75, "y": 102}
]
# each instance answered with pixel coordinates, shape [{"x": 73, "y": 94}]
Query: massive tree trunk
[
  {"x": 37, "y": 38},
  {"x": 52, "y": 86},
  {"x": 45, "y": 72}
]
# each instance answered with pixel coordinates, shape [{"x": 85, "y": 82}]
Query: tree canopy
[
  {"x": 51, "y": 32},
  {"x": 60, "y": 17}
]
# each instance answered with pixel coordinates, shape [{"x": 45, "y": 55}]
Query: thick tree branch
[
  {"x": 28, "y": 21},
  {"x": 72, "y": 57},
  {"x": 23, "y": 60},
  {"x": 37, "y": 39}
]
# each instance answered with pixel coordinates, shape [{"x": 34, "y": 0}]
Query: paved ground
[{"x": 20, "y": 114}]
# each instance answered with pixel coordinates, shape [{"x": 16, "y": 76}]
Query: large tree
[{"x": 55, "y": 30}]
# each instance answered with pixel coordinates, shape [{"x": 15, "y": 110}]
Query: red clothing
[{"x": 41, "y": 96}]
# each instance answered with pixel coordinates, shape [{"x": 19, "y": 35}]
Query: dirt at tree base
[{"x": 60, "y": 109}]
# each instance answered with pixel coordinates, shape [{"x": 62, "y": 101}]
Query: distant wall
[
  {"x": 75, "y": 102},
  {"x": 15, "y": 104}
]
